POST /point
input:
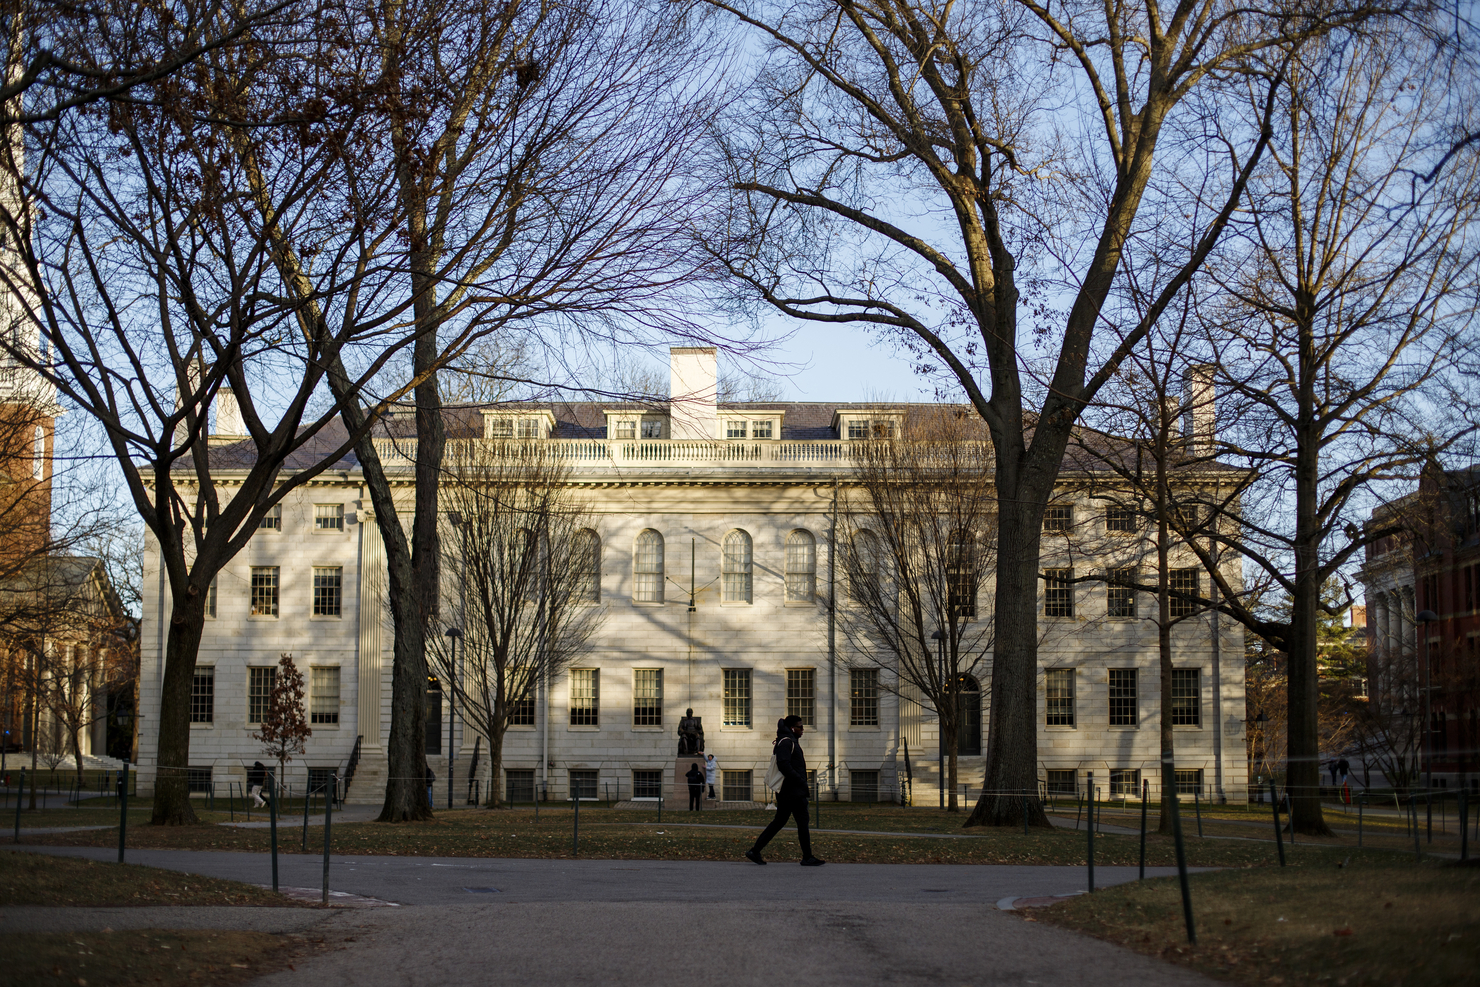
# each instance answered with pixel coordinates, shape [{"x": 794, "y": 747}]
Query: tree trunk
[
  {"x": 406, "y": 761},
  {"x": 1164, "y": 626},
  {"x": 1303, "y": 744},
  {"x": 171, "y": 786},
  {"x": 1012, "y": 731},
  {"x": 495, "y": 766}
]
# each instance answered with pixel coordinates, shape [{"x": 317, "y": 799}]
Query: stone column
[
  {"x": 371, "y": 626},
  {"x": 1379, "y": 623},
  {"x": 1410, "y": 625}
]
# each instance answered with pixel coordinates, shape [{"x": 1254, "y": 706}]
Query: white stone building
[{"x": 669, "y": 486}]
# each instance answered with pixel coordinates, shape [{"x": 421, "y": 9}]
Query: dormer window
[
  {"x": 500, "y": 428},
  {"x": 735, "y": 428},
  {"x": 501, "y": 424},
  {"x": 626, "y": 428},
  {"x": 870, "y": 428},
  {"x": 528, "y": 428},
  {"x": 652, "y": 428},
  {"x": 762, "y": 430}
]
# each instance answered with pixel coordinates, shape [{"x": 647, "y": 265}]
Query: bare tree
[
  {"x": 526, "y": 561},
  {"x": 512, "y": 170},
  {"x": 1019, "y": 213},
  {"x": 1341, "y": 311},
  {"x": 137, "y": 288},
  {"x": 919, "y": 519}
]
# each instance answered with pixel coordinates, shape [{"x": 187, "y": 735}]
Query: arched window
[
  {"x": 969, "y": 716},
  {"x": 801, "y": 567},
  {"x": 863, "y": 567},
  {"x": 961, "y": 573},
  {"x": 38, "y": 456},
  {"x": 735, "y": 581},
  {"x": 647, "y": 568},
  {"x": 586, "y": 566}
]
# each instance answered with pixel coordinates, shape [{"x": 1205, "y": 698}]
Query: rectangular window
[
  {"x": 1186, "y": 698},
  {"x": 1121, "y": 520},
  {"x": 737, "y": 697},
  {"x": 1058, "y": 517},
  {"x": 327, "y": 590},
  {"x": 1058, "y": 592},
  {"x": 761, "y": 430},
  {"x": 1120, "y": 598},
  {"x": 647, "y": 784},
  {"x": 325, "y": 702},
  {"x": 1063, "y": 782},
  {"x": 328, "y": 517},
  {"x": 529, "y": 428},
  {"x": 1122, "y": 697},
  {"x": 647, "y": 697},
  {"x": 863, "y": 786},
  {"x": 1189, "y": 782},
  {"x": 1125, "y": 783},
  {"x": 211, "y": 598},
  {"x": 259, "y": 692},
  {"x": 627, "y": 428},
  {"x": 734, "y": 429},
  {"x": 737, "y": 786},
  {"x": 203, "y": 695},
  {"x": 500, "y": 428},
  {"x": 264, "y": 591},
  {"x": 521, "y": 711},
  {"x": 583, "y": 784},
  {"x": 652, "y": 429},
  {"x": 1183, "y": 581},
  {"x": 863, "y": 692},
  {"x": 1060, "y": 688},
  {"x": 320, "y": 780},
  {"x": 519, "y": 784},
  {"x": 198, "y": 780},
  {"x": 585, "y": 697},
  {"x": 273, "y": 519},
  {"x": 801, "y": 694},
  {"x": 858, "y": 428}
]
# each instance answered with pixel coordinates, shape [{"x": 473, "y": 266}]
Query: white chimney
[
  {"x": 228, "y": 415},
  {"x": 195, "y": 372},
  {"x": 693, "y": 379},
  {"x": 1198, "y": 403}
]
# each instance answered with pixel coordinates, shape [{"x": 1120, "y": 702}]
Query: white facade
[{"x": 693, "y": 492}]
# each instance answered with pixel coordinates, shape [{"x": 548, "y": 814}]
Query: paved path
[{"x": 656, "y": 923}]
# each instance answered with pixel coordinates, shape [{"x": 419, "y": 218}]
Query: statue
[{"x": 690, "y": 733}]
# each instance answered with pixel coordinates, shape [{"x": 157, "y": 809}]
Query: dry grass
[
  {"x": 38, "y": 880},
  {"x": 159, "y": 958},
  {"x": 1364, "y": 925}
]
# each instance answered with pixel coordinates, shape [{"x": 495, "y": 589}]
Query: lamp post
[
  {"x": 452, "y": 635},
  {"x": 939, "y": 637},
  {"x": 1259, "y": 722},
  {"x": 1426, "y": 617}
]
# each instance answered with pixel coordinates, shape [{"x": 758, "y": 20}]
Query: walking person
[
  {"x": 791, "y": 800},
  {"x": 431, "y": 780},
  {"x": 711, "y": 770},
  {"x": 256, "y": 778},
  {"x": 695, "y": 778}
]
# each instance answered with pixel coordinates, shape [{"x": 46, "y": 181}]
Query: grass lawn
[
  {"x": 159, "y": 958},
  {"x": 1370, "y": 923},
  {"x": 35, "y": 879},
  {"x": 637, "y": 835}
]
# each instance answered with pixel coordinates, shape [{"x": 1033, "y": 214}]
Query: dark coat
[
  {"x": 793, "y": 767},
  {"x": 695, "y": 777},
  {"x": 256, "y": 775}
]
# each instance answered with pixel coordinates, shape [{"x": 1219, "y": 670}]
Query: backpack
[{"x": 774, "y": 777}]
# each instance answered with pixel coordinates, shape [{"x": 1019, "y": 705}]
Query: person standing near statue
[
  {"x": 711, "y": 771},
  {"x": 791, "y": 800},
  {"x": 695, "y": 778}
]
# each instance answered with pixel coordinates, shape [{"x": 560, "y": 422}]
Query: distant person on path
[
  {"x": 791, "y": 800},
  {"x": 695, "y": 778},
  {"x": 1343, "y": 768},
  {"x": 711, "y": 769},
  {"x": 256, "y": 778},
  {"x": 430, "y": 779}
]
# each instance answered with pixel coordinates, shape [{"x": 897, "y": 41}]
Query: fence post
[
  {"x": 1413, "y": 813},
  {"x": 328, "y": 821},
  {"x": 575, "y": 833},
  {"x": 1279, "y": 838},
  {"x": 1166, "y": 769},
  {"x": 1464, "y": 825},
  {"x": 123, "y": 810},
  {"x": 1361, "y": 801},
  {"x": 1025, "y": 813},
  {"x": 1197, "y": 807},
  {"x": 1089, "y": 853},
  {"x": 272, "y": 807},
  {"x": 18, "y": 806},
  {"x": 1145, "y": 790},
  {"x": 305, "y": 820}
]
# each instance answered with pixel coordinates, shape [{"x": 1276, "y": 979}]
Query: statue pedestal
[{"x": 678, "y": 792}]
